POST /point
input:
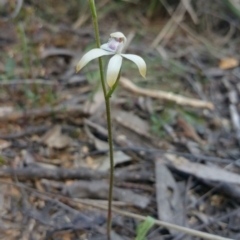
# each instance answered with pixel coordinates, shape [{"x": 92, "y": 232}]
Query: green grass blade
[{"x": 144, "y": 227}]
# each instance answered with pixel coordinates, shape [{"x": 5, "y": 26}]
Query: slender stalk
[
  {"x": 110, "y": 192},
  {"x": 107, "y": 97},
  {"x": 96, "y": 29}
]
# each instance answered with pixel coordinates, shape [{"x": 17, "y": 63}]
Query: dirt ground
[{"x": 176, "y": 133}]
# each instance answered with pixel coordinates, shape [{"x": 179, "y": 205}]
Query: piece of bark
[
  {"x": 209, "y": 175},
  {"x": 99, "y": 190},
  {"x": 202, "y": 171},
  {"x": 169, "y": 202}
]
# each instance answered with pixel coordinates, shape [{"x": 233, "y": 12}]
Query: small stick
[
  {"x": 173, "y": 226},
  {"x": 78, "y": 173},
  {"x": 28, "y": 81},
  {"x": 43, "y": 112},
  {"x": 168, "y": 96}
]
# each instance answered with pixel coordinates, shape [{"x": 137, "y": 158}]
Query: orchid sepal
[
  {"x": 138, "y": 61},
  {"x": 89, "y": 56}
]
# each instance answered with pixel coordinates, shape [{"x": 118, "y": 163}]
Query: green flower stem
[
  {"x": 110, "y": 92},
  {"x": 110, "y": 192},
  {"x": 95, "y": 23},
  {"x": 108, "y": 112}
]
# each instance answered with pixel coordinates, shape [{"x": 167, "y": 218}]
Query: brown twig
[
  {"x": 157, "y": 150},
  {"x": 29, "y": 81},
  {"x": 35, "y": 130},
  {"x": 27, "y": 131},
  {"x": 82, "y": 173},
  {"x": 42, "y": 112},
  {"x": 168, "y": 96}
]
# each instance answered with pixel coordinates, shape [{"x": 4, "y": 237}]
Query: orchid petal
[
  {"x": 89, "y": 56},
  {"x": 113, "y": 69},
  {"x": 138, "y": 61}
]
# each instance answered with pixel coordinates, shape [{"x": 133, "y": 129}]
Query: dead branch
[
  {"x": 42, "y": 112},
  {"x": 167, "y": 96},
  {"x": 28, "y": 81},
  {"x": 64, "y": 173},
  {"x": 27, "y": 131}
]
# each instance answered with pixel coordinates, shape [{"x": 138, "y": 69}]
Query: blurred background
[
  {"x": 52, "y": 119},
  {"x": 186, "y": 44}
]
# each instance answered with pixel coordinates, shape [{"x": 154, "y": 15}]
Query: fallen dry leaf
[
  {"x": 202, "y": 171},
  {"x": 99, "y": 144},
  {"x": 55, "y": 139},
  {"x": 132, "y": 122},
  {"x": 5, "y": 110},
  {"x": 4, "y": 144},
  {"x": 228, "y": 63},
  {"x": 119, "y": 157}
]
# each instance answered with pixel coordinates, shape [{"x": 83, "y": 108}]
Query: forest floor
[{"x": 176, "y": 133}]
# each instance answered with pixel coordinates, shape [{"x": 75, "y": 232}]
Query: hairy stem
[{"x": 108, "y": 113}]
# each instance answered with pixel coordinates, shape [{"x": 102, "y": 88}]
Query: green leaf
[{"x": 144, "y": 227}]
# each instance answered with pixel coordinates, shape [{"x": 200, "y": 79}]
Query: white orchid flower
[{"x": 114, "y": 47}]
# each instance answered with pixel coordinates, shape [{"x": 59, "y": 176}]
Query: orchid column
[{"x": 114, "y": 47}]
